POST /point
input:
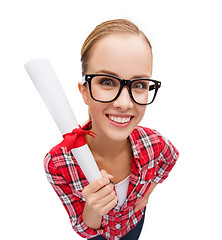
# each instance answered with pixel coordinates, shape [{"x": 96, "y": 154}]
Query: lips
[{"x": 119, "y": 119}]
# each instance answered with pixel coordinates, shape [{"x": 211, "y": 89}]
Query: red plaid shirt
[{"x": 153, "y": 159}]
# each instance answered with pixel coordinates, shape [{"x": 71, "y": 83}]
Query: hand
[
  {"x": 100, "y": 195},
  {"x": 142, "y": 203}
]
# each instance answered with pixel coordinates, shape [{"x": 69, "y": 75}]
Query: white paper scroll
[{"x": 49, "y": 88}]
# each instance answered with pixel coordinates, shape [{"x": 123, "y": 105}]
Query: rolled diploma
[{"x": 49, "y": 88}]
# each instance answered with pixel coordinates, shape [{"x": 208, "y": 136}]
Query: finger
[
  {"x": 139, "y": 205},
  {"x": 137, "y": 208},
  {"x": 109, "y": 206},
  {"x": 105, "y": 174},
  {"x": 142, "y": 203},
  {"x": 108, "y": 198},
  {"x": 96, "y": 185},
  {"x": 105, "y": 191}
]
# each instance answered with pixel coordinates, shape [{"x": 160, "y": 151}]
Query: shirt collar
[{"x": 137, "y": 149}]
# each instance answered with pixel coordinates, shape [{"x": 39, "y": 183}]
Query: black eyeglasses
[{"x": 107, "y": 88}]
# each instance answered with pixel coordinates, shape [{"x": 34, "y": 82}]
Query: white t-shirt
[{"x": 121, "y": 190}]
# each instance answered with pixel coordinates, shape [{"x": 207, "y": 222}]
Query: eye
[
  {"x": 107, "y": 82},
  {"x": 140, "y": 85}
]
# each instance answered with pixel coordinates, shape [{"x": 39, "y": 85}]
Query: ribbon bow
[{"x": 70, "y": 142}]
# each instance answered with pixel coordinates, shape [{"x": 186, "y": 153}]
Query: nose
[{"x": 124, "y": 100}]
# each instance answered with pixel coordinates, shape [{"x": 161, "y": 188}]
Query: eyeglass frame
[{"x": 123, "y": 82}]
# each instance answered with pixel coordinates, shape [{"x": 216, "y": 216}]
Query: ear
[{"x": 85, "y": 93}]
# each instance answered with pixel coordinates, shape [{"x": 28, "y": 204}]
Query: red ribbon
[{"x": 70, "y": 139}]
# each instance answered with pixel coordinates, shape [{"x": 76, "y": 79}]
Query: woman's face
[{"x": 127, "y": 56}]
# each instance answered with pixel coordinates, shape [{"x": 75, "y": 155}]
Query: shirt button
[{"x": 118, "y": 226}]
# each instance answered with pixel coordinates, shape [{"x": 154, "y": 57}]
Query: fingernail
[{"x": 111, "y": 181}]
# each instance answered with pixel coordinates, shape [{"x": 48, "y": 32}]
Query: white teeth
[{"x": 119, "y": 119}]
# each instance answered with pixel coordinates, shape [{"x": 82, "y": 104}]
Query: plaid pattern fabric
[{"x": 153, "y": 158}]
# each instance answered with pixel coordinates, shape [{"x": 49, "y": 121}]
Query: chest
[{"x": 119, "y": 167}]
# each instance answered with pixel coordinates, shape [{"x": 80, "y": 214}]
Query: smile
[{"x": 120, "y": 120}]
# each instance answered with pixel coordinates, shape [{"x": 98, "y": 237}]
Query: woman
[{"x": 116, "y": 67}]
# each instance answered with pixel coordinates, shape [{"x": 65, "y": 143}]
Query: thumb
[{"x": 105, "y": 174}]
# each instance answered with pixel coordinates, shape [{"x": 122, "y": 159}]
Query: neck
[{"x": 106, "y": 148}]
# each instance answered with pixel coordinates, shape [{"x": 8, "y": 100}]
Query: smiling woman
[
  {"x": 120, "y": 59},
  {"x": 117, "y": 87}
]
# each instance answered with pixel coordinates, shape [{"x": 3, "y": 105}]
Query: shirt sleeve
[
  {"x": 72, "y": 203},
  {"x": 166, "y": 160}
]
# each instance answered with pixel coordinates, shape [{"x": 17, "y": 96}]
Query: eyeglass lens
[{"x": 105, "y": 88}]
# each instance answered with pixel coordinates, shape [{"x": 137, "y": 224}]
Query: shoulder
[
  {"x": 146, "y": 134},
  {"x": 55, "y": 158},
  {"x": 149, "y": 134},
  {"x": 62, "y": 163},
  {"x": 146, "y": 138},
  {"x": 145, "y": 142},
  {"x": 59, "y": 159}
]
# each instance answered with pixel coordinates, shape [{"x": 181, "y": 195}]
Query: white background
[{"x": 186, "y": 39}]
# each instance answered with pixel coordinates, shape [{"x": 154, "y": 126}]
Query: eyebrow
[
  {"x": 116, "y": 75},
  {"x": 107, "y": 72}
]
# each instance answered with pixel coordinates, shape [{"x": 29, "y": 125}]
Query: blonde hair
[{"x": 104, "y": 29}]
